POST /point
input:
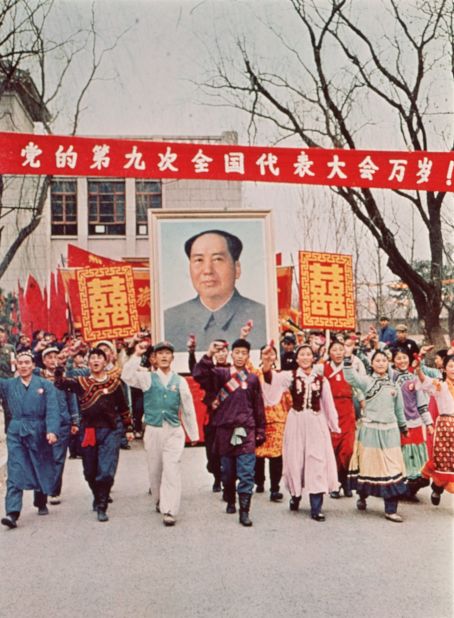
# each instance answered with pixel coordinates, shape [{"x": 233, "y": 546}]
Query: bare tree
[
  {"x": 344, "y": 77},
  {"x": 36, "y": 65}
]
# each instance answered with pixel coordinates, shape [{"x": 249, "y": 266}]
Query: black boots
[
  {"x": 230, "y": 497},
  {"x": 40, "y": 501},
  {"x": 295, "y": 503},
  {"x": 245, "y": 503},
  {"x": 10, "y": 521},
  {"x": 102, "y": 490}
]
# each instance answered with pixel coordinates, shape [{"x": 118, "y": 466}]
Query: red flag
[
  {"x": 36, "y": 306},
  {"x": 284, "y": 289},
  {"x": 57, "y": 306},
  {"x": 278, "y": 259},
  {"x": 25, "y": 317},
  {"x": 80, "y": 258}
]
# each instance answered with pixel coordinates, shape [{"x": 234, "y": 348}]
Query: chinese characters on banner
[
  {"x": 80, "y": 156},
  {"x": 108, "y": 302},
  {"x": 326, "y": 290}
]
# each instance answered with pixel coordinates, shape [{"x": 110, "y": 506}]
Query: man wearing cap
[
  {"x": 101, "y": 402},
  {"x": 239, "y": 421},
  {"x": 33, "y": 429},
  {"x": 218, "y": 310},
  {"x": 288, "y": 357},
  {"x": 403, "y": 342},
  {"x": 69, "y": 419},
  {"x": 386, "y": 333},
  {"x": 165, "y": 393},
  {"x": 209, "y": 430}
]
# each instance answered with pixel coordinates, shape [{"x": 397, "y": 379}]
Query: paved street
[{"x": 355, "y": 564}]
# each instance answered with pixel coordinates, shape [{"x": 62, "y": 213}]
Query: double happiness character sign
[
  {"x": 326, "y": 290},
  {"x": 108, "y": 302}
]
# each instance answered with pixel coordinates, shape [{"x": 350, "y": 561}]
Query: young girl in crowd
[
  {"x": 308, "y": 454},
  {"x": 377, "y": 466},
  {"x": 274, "y": 387},
  {"x": 343, "y": 400},
  {"x": 416, "y": 413}
]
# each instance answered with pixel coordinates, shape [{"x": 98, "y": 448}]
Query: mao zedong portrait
[{"x": 218, "y": 310}]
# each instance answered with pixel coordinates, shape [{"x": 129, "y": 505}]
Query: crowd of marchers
[{"x": 333, "y": 413}]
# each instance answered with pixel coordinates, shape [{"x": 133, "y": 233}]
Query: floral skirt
[
  {"x": 274, "y": 432},
  {"x": 440, "y": 468}
]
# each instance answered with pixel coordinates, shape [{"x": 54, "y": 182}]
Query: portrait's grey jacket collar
[{"x": 221, "y": 317}]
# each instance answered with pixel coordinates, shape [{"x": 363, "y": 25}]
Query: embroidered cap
[
  {"x": 108, "y": 344},
  {"x": 25, "y": 353},
  {"x": 163, "y": 345},
  {"x": 49, "y": 350}
]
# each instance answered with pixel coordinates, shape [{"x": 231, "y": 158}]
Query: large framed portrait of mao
[{"x": 211, "y": 273}]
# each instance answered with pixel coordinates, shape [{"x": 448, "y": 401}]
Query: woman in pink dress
[{"x": 309, "y": 461}]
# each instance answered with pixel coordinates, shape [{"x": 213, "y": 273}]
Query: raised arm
[
  {"x": 360, "y": 382},
  {"x": 134, "y": 375}
]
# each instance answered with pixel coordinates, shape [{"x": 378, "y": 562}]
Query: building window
[
  {"x": 63, "y": 203},
  {"x": 148, "y": 195},
  {"x": 106, "y": 208}
]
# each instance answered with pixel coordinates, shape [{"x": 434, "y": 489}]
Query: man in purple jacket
[{"x": 239, "y": 421}]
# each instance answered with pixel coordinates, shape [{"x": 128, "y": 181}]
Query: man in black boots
[
  {"x": 239, "y": 421},
  {"x": 101, "y": 402},
  {"x": 221, "y": 360}
]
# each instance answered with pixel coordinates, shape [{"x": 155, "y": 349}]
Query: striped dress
[
  {"x": 414, "y": 447},
  {"x": 377, "y": 467}
]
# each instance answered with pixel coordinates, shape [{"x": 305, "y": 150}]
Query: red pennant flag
[
  {"x": 36, "y": 306},
  {"x": 57, "y": 306},
  {"x": 80, "y": 258},
  {"x": 284, "y": 289}
]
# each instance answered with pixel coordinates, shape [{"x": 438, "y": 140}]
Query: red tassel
[{"x": 89, "y": 437}]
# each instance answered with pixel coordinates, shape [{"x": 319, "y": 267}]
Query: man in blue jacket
[
  {"x": 69, "y": 419},
  {"x": 33, "y": 429}
]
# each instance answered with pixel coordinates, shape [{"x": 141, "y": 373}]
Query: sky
[{"x": 150, "y": 84}]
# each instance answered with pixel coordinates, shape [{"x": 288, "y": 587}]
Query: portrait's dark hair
[
  {"x": 442, "y": 353},
  {"x": 241, "y": 343},
  {"x": 234, "y": 244},
  {"x": 401, "y": 351},
  {"x": 97, "y": 352},
  {"x": 447, "y": 358}
]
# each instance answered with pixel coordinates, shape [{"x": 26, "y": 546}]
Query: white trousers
[{"x": 164, "y": 448}]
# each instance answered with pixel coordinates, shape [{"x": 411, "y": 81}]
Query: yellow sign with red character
[
  {"x": 326, "y": 290},
  {"x": 108, "y": 302}
]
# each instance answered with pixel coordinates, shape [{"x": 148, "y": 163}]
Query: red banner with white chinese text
[
  {"x": 326, "y": 290},
  {"x": 22, "y": 153},
  {"x": 107, "y": 302}
]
